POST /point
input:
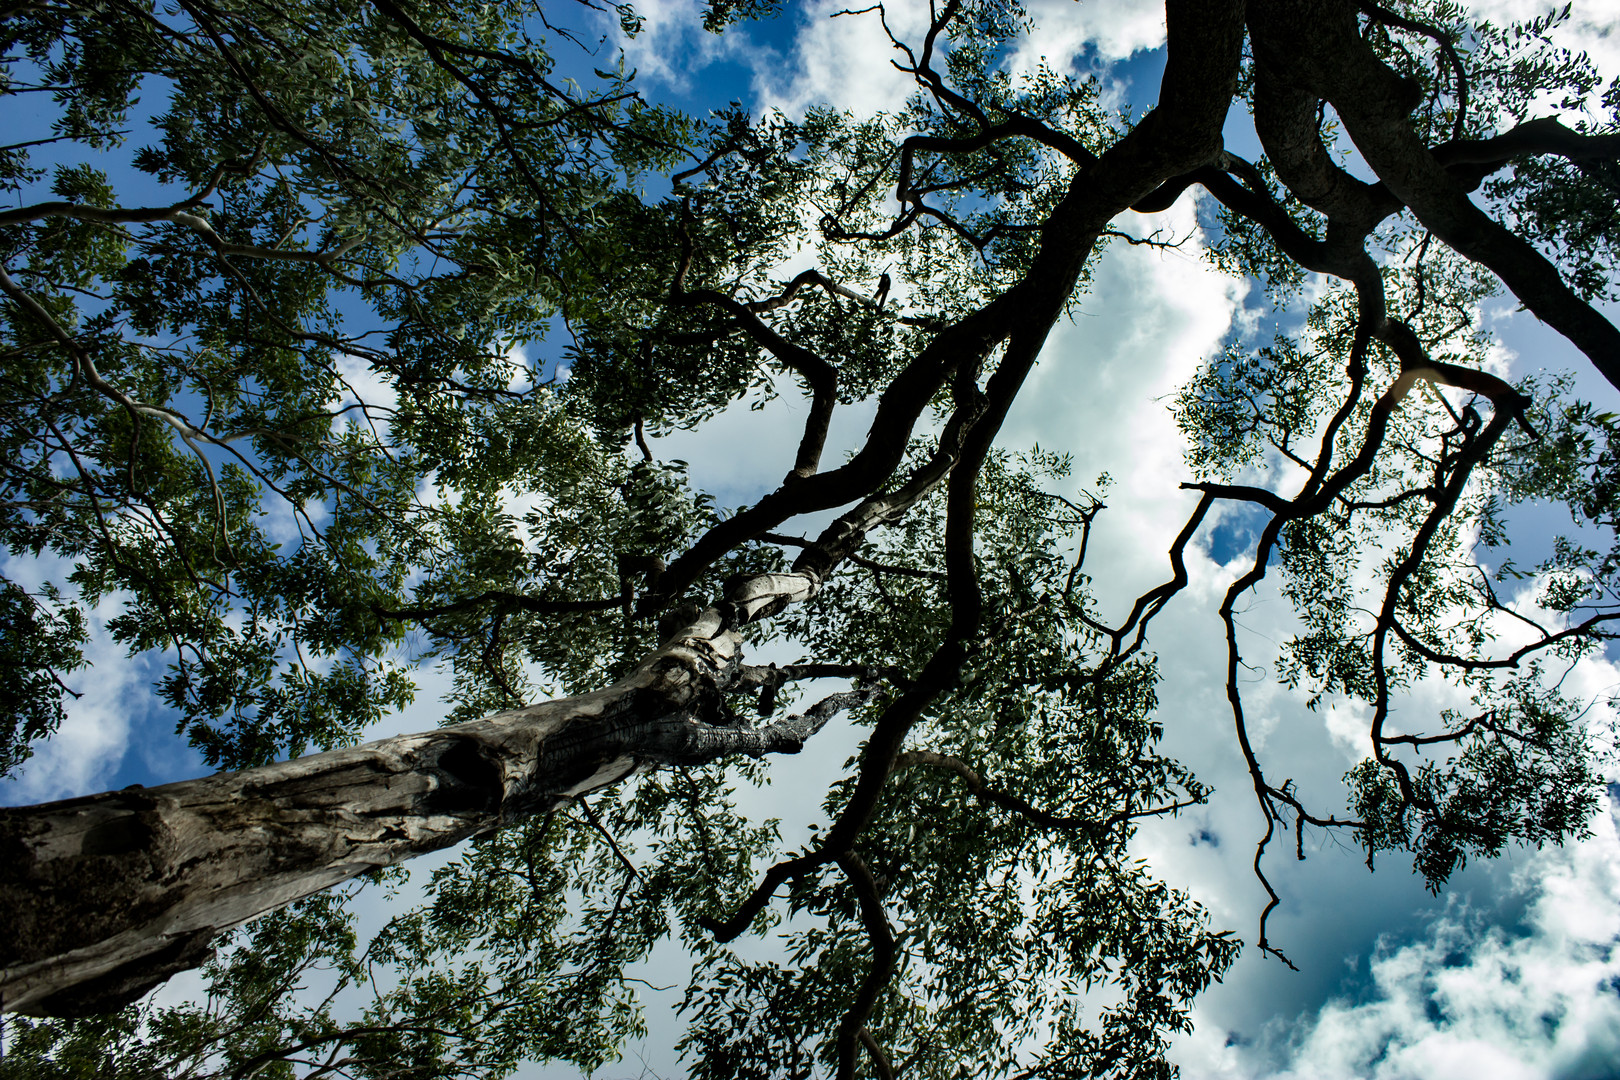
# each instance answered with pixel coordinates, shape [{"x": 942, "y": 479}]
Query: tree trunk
[{"x": 104, "y": 897}]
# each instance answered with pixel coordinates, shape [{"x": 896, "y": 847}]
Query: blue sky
[{"x": 1513, "y": 973}]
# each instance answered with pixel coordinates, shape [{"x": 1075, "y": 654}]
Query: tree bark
[
  {"x": 104, "y": 897},
  {"x": 1317, "y": 48}
]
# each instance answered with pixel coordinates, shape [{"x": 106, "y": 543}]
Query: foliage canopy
[{"x": 352, "y": 362}]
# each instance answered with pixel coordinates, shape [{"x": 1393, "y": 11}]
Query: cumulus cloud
[
  {"x": 1468, "y": 999},
  {"x": 847, "y": 60},
  {"x": 361, "y": 384},
  {"x": 83, "y": 754},
  {"x": 843, "y": 61},
  {"x": 1102, "y": 390},
  {"x": 1590, "y": 28},
  {"x": 672, "y": 47},
  {"x": 745, "y": 451},
  {"x": 1075, "y": 31}
]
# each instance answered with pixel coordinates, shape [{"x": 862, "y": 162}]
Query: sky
[{"x": 1512, "y": 973}]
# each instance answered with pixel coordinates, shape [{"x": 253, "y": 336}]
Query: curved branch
[
  {"x": 1544, "y": 135},
  {"x": 876, "y": 923},
  {"x": 1012, "y": 803},
  {"x": 1582, "y": 630},
  {"x": 1448, "y": 48},
  {"x": 505, "y": 600},
  {"x": 1333, "y": 61},
  {"x": 815, "y": 370},
  {"x": 880, "y": 1059},
  {"x": 1153, "y": 601}
]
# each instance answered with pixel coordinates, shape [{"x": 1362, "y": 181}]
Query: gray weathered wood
[{"x": 104, "y": 897}]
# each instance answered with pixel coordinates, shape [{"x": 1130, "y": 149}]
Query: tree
[{"x": 1006, "y": 714}]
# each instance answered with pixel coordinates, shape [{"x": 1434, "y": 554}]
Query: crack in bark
[{"x": 104, "y": 897}]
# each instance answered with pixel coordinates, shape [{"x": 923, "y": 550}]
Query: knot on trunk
[{"x": 763, "y": 595}]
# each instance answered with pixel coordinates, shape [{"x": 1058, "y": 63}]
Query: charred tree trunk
[{"x": 104, "y": 897}]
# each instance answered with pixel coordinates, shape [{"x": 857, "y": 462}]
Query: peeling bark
[{"x": 104, "y": 897}]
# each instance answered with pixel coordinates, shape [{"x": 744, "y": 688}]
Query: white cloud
[
  {"x": 1591, "y": 27},
  {"x": 1347, "y": 723},
  {"x": 362, "y": 383},
  {"x": 743, "y": 451},
  {"x": 86, "y": 750},
  {"x": 89, "y": 746},
  {"x": 672, "y": 47},
  {"x": 286, "y": 526},
  {"x": 1067, "y": 31},
  {"x": 1467, "y": 999},
  {"x": 523, "y": 371},
  {"x": 848, "y": 61},
  {"x": 1102, "y": 390},
  {"x": 843, "y": 61}
]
